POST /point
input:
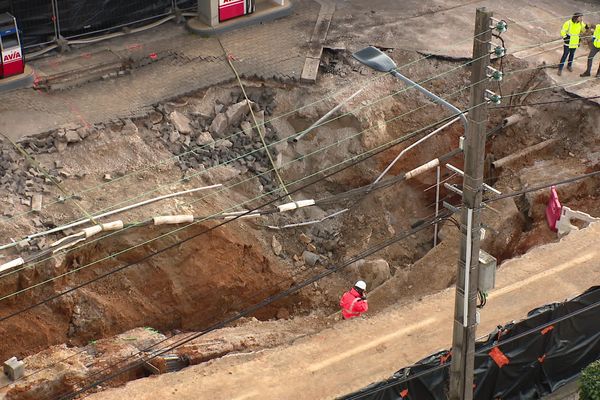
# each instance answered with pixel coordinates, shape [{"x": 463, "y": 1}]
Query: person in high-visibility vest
[
  {"x": 594, "y": 49},
  {"x": 354, "y": 302},
  {"x": 571, "y": 32}
]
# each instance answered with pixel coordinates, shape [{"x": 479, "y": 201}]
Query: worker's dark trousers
[
  {"x": 566, "y": 52},
  {"x": 593, "y": 53}
]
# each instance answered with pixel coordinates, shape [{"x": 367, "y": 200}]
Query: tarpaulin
[{"x": 526, "y": 367}]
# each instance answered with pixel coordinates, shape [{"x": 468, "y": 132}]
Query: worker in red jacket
[{"x": 354, "y": 301}]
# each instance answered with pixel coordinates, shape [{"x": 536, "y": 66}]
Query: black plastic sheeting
[
  {"x": 525, "y": 368},
  {"x": 74, "y": 18}
]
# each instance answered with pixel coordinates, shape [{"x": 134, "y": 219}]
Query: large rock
[
  {"x": 205, "y": 139},
  {"x": 374, "y": 272},
  {"x": 247, "y": 128},
  {"x": 181, "y": 122},
  {"x": 72, "y": 137},
  {"x": 129, "y": 128},
  {"x": 219, "y": 174},
  {"x": 223, "y": 143},
  {"x": 236, "y": 112},
  {"x": 434, "y": 272},
  {"x": 219, "y": 124},
  {"x": 276, "y": 246}
]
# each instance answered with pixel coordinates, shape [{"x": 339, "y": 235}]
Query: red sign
[
  {"x": 231, "y": 8},
  {"x": 11, "y": 56},
  {"x": 12, "y": 62}
]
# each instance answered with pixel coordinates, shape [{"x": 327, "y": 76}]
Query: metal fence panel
[
  {"x": 85, "y": 17},
  {"x": 35, "y": 19},
  {"x": 187, "y": 4}
]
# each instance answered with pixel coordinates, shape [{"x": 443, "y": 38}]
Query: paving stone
[{"x": 36, "y": 202}]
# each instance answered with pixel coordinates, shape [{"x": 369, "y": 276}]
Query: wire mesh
[
  {"x": 35, "y": 19},
  {"x": 78, "y": 18},
  {"x": 43, "y": 21}
]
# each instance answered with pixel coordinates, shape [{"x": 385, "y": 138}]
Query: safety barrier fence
[
  {"x": 520, "y": 360},
  {"x": 44, "y": 22}
]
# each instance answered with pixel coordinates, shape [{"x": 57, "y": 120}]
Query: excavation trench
[{"x": 221, "y": 271}]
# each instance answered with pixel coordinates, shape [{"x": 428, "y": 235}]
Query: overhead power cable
[
  {"x": 196, "y": 148},
  {"x": 481, "y": 351},
  {"x": 230, "y": 161},
  {"x": 547, "y": 102},
  {"x": 196, "y": 222},
  {"x": 188, "y": 177},
  {"x": 543, "y": 186},
  {"x": 267, "y": 301},
  {"x": 321, "y": 149}
]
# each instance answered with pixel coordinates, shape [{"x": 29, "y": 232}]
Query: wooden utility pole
[{"x": 465, "y": 307}]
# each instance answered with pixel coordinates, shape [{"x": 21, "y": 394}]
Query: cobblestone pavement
[{"x": 273, "y": 50}]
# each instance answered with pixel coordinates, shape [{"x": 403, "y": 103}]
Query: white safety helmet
[{"x": 361, "y": 285}]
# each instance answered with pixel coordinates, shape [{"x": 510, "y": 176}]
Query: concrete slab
[
  {"x": 319, "y": 35},
  {"x": 310, "y": 70}
]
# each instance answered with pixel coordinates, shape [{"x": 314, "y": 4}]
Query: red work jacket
[{"x": 352, "y": 304}]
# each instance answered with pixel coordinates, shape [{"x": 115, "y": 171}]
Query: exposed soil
[{"x": 225, "y": 269}]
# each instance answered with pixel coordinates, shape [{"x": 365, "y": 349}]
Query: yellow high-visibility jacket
[
  {"x": 596, "y": 38},
  {"x": 573, "y": 29}
]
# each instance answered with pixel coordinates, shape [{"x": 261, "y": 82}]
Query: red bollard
[{"x": 553, "y": 209}]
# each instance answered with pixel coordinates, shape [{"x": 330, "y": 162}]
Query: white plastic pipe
[
  {"x": 324, "y": 117},
  {"x": 173, "y": 219},
  {"x": 106, "y": 214},
  {"x": 316, "y": 221},
  {"x": 437, "y": 204},
  {"x": 422, "y": 168},
  {"x": 12, "y": 264},
  {"x": 111, "y": 226},
  {"x": 296, "y": 204}
]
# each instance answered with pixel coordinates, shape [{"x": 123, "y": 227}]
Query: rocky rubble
[{"x": 203, "y": 137}]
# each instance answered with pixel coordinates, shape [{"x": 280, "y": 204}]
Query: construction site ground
[
  {"x": 274, "y": 50},
  {"x": 353, "y": 354},
  {"x": 128, "y": 119}
]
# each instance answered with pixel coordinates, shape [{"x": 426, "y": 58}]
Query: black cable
[
  {"x": 267, "y": 301},
  {"x": 544, "y": 186},
  {"x": 360, "y": 158},
  {"x": 398, "y": 178},
  {"x": 428, "y": 224},
  {"x": 547, "y": 102},
  {"x": 372, "y": 187}
]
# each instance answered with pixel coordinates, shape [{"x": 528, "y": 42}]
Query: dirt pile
[{"x": 63, "y": 369}]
